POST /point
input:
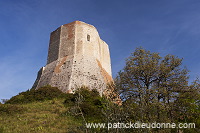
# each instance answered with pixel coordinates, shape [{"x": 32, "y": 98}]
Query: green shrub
[
  {"x": 89, "y": 101},
  {"x": 11, "y": 109},
  {"x": 41, "y": 94},
  {"x": 69, "y": 99},
  {"x": 1, "y": 129}
]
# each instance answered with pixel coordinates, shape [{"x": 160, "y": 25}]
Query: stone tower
[{"x": 76, "y": 57}]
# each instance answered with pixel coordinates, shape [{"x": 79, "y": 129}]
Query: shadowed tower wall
[{"x": 76, "y": 57}]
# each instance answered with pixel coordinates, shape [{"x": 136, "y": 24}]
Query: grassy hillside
[
  {"x": 48, "y": 110},
  {"x": 46, "y": 116}
]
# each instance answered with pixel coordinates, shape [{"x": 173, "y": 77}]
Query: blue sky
[{"x": 164, "y": 26}]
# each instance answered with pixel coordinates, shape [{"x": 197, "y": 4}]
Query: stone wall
[
  {"x": 54, "y": 46},
  {"x": 76, "y": 57}
]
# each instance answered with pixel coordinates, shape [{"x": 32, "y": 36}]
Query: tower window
[{"x": 88, "y": 37}]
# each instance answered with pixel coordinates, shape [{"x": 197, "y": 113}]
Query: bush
[
  {"x": 1, "y": 129},
  {"x": 90, "y": 103},
  {"x": 69, "y": 99},
  {"x": 11, "y": 109},
  {"x": 41, "y": 94}
]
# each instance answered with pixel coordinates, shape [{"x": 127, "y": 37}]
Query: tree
[
  {"x": 187, "y": 105},
  {"x": 152, "y": 83}
]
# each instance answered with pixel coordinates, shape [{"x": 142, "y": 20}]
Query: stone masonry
[{"x": 76, "y": 57}]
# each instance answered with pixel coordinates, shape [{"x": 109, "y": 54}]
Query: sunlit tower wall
[{"x": 76, "y": 57}]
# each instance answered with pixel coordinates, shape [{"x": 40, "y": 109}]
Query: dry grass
[{"x": 39, "y": 117}]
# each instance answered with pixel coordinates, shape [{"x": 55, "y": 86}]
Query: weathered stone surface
[{"x": 77, "y": 57}]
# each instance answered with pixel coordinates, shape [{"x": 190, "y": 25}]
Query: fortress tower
[{"x": 76, "y": 57}]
